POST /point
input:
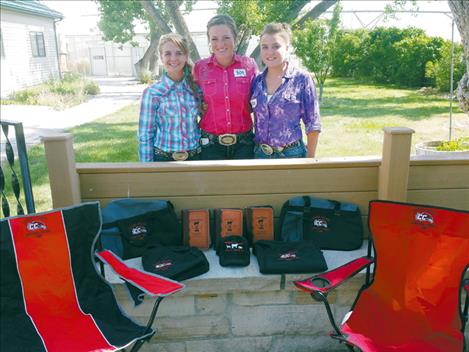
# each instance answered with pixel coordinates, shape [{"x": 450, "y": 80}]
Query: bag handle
[
  {"x": 336, "y": 203},
  {"x": 306, "y": 216}
]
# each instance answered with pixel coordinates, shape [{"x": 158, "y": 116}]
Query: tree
[
  {"x": 252, "y": 15},
  {"x": 118, "y": 18},
  {"x": 314, "y": 45},
  {"x": 460, "y": 11}
]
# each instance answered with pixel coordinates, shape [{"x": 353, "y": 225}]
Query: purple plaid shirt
[{"x": 277, "y": 122}]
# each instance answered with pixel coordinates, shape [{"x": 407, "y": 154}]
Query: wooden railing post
[
  {"x": 394, "y": 169},
  {"x": 64, "y": 183}
]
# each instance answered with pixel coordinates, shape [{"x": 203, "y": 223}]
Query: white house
[{"x": 29, "y": 48}]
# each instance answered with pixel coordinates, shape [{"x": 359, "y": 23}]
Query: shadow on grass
[{"x": 391, "y": 106}]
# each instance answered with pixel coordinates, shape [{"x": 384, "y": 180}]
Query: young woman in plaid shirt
[{"x": 168, "y": 128}]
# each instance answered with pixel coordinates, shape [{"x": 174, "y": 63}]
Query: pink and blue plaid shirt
[{"x": 168, "y": 118}]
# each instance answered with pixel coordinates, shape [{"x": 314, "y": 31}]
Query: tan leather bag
[
  {"x": 259, "y": 223},
  {"x": 196, "y": 228}
]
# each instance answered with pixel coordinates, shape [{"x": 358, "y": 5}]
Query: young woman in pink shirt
[{"x": 225, "y": 79}]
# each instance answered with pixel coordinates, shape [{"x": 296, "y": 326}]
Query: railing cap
[
  {"x": 57, "y": 137},
  {"x": 398, "y": 130}
]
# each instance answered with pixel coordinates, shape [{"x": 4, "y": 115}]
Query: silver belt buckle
[
  {"x": 267, "y": 149},
  {"x": 180, "y": 156},
  {"x": 227, "y": 139}
]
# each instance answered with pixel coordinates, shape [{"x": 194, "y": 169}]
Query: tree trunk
[
  {"x": 321, "y": 89},
  {"x": 244, "y": 36},
  {"x": 155, "y": 16},
  {"x": 149, "y": 59},
  {"x": 460, "y": 11},
  {"x": 314, "y": 13},
  {"x": 181, "y": 27}
]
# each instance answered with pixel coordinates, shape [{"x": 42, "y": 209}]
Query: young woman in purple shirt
[{"x": 281, "y": 97}]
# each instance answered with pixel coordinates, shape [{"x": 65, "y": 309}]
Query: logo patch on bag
[
  {"x": 320, "y": 223},
  {"x": 36, "y": 228},
  {"x": 288, "y": 256},
  {"x": 424, "y": 219},
  {"x": 138, "y": 232},
  {"x": 234, "y": 246},
  {"x": 163, "y": 265}
]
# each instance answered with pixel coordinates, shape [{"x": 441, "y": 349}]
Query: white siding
[{"x": 19, "y": 69}]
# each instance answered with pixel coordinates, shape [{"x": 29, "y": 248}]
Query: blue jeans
[
  {"x": 243, "y": 149},
  {"x": 298, "y": 151}
]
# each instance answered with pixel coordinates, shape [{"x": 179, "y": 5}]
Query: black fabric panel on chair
[{"x": 95, "y": 296}]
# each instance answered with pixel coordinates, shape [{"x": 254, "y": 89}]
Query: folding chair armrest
[
  {"x": 151, "y": 284},
  {"x": 329, "y": 280}
]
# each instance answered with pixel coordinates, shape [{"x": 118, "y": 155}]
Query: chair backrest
[
  {"x": 421, "y": 255},
  {"x": 50, "y": 290}
]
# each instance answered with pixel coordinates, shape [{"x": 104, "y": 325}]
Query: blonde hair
[
  {"x": 181, "y": 43},
  {"x": 283, "y": 29},
  {"x": 226, "y": 20}
]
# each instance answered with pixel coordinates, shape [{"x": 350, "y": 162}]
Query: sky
[{"x": 81, "y": 16}]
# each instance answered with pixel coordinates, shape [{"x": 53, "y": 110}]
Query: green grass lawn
[{"x": 353, "y": 116}]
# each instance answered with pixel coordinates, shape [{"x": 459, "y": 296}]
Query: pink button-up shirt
[{"x": 226, "y": 92}]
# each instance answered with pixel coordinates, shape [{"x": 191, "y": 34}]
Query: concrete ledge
[
  {"x": 241, "y": 309},
  {"x": 246, "y": 279}
]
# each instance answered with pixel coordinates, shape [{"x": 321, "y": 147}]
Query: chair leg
[
  {"x": 319, "y": 296},
  {"x": 138, "y": 344}
]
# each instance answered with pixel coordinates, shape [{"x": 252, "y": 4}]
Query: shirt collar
[
  {"x": 213, "y": 61},
  {"x": 289, "y": 73},
  {"x": 168, "y": 84}
]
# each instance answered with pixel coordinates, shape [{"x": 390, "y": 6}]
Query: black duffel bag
[
  {"x": 130, "y": 226},
  {"x": 175, "y": 262},
  {"x": 278, "y": 257},
  {"x": 327, "y": 223}
]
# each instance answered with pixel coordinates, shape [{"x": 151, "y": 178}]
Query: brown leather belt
[
  {"x": 178, "y": 156},
  {"x": 226, "y": 139}
]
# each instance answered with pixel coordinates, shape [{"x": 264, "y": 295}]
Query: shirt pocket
[
  {"x": 209, "y": 87},
  {"x": 291, "y": 103},
  {"x": 242, "y": 86}
]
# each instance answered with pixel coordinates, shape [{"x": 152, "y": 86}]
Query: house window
[{"x": 37, "y": 44}]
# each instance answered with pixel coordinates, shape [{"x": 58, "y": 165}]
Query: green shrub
[
  {"x": 439, "y": 72},
  {"x": 145, "y": 76},
  {"x": 64, "y": 87},
  {"x": 459, "y": 144},
  {"x": 26, "y": 96},
  {"x": 91, "y": 88},
  {"x": 71, "y": 77},
  {"x": 387, "y": 55}
]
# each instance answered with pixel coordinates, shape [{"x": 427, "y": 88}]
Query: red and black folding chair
[
  {"x": 412, "y": 298},
  {"x": 52, "y": 297}
]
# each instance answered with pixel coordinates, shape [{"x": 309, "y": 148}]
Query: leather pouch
[
  {"x": 196, "y": 228},
  {"x": 228, "y": 222},
  {"x": 259, "y": 223}
]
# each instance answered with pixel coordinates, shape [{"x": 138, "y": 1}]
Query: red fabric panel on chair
[
  {"x": 152, "y": 284},
  {"x": 334, "y": 277},
  {"x": 43, "y": 260},
  {"x": 421, "y": 253}
]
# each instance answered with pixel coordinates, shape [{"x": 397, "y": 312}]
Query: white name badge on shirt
[
  {"x": 253, "y": 103},
  {"x": 239, "y": 72}
]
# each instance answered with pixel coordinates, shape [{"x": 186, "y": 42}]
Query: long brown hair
[
  {"x": 181, "y": 43},
  {"x": 226, "y": 20}
]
